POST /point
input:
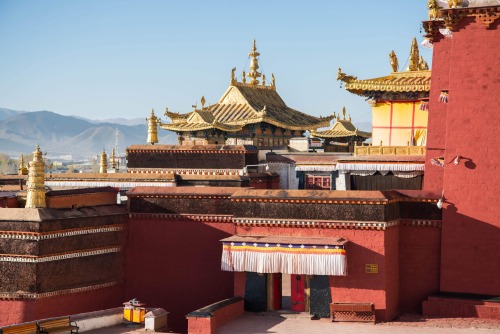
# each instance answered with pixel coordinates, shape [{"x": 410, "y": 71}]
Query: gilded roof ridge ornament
[
  {"x": 433, "y": 8},
  {"x": 233, "y": 77},
  {"x": 244, "y": 77},
  {"x": 414, "y": 56},
  {"x": 263, "y": 111},
  {"x": 394, "y": 61},
  {"x": 422, "y": 64},
  {"x": 254, "y": 65},
  {"x": 343, "y": 112},
  {"x": 263, "y": 79},
  {"x": 273, "y": 80},
  {"x": 344, "y": 77},
  {"x": 203, "y": 99}
]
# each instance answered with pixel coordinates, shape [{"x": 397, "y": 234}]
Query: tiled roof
[
  {"x": 341, "y": 128},
  {"x": 244, "y": 104}
]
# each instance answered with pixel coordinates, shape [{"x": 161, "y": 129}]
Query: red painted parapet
[{"x": 209, "y": 318}]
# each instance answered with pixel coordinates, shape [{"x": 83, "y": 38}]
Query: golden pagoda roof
[
  {"x": 416, "y": 78},
  {"x": 341, "y": 128},
  {"x": 245, "y": 103}
]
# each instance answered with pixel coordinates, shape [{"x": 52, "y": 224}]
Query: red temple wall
[
  {"x": 364, "y": 247},
  {"x": 175, "y": 264},
  {"x": 467, "y": 65},
  {"x": 18, "y": 311},
  {"x": 419, "y": 252}
]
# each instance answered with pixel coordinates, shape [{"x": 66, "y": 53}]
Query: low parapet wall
[
  {"x": 209, "y": 318},
  {"x": 99, "y": 319}
]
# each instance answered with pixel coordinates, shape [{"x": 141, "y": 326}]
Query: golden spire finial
[
  {"x": 113, "y": 162},
  {"x": 254, "y": 65},
  {"x": 203, "y": 102},
  {"x": 243, "y": 77},
  {"x": 343, "y": 111},
  {"x": 36, "y": 181},
  {"x": 103, "y": 168},
  {"x": 22, "y": 167},
  {"x": 153, "y": 127},
  {"x": 273, "y": 80},
  {"x": 414, "y": 56},
  {"x": 334, "y": 115},
  {"x": 394, "y": 61},
  {"x": 263, "y": 79}
]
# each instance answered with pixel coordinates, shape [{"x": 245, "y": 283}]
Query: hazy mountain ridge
[
  {"x": 6, "y": 113},
  {"x": 67, "y": 135}
]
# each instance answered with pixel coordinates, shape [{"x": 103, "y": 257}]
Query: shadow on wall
[
  {"x": 469, "y": 252},
  {"x": 175, "y": 265}
]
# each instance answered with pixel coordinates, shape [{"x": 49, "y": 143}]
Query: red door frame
[{"x": 298, "y": 295}]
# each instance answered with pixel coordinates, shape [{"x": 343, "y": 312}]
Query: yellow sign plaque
[{"x": 371, "y": 268}]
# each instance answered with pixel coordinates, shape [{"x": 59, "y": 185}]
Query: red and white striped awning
[{"x": 288, "y": 255}]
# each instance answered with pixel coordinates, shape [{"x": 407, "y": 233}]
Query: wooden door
[
  {"x": 277, "y": 291},
  {"x": 298, "y": 296}
]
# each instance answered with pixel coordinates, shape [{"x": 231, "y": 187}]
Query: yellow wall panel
[
  {"x": 402, "y": 113},
  {"x": 381, "y": 114},
  {"x": 421, "y": 117},
  {"x": 380, "y": 134},
  {"x": 401, "y": 137}
]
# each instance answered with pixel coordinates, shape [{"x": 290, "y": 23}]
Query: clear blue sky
[{"x": 108, "y": 58}]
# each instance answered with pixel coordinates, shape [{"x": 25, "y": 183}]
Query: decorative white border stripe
[
  {"x": 58, "y": 234},
  {"x": 315, "y": 168},
  {"x": 342, "y": 166},
  {"x": 57, "y": 257},
  {"x": 202, "y": 218},
  {"x": 185, "y": 171},
  {"x": 258, "y": 222},
  {"x": 118, "y": 184},
  {"x": 422, "y": 223},
  {"x": 28, "y": 295}
]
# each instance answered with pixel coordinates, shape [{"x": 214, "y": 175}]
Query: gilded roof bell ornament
[{"x": 153, "y": 127}]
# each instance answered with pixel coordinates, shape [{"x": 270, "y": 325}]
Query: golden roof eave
[
  {"x": 408, "y": 81},
  {"x": 200, "y": 127}
]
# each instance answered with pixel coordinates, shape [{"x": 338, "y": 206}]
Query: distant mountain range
[
  {"x": 74, "y": 136},
  {"x": 77, "y": 137}
]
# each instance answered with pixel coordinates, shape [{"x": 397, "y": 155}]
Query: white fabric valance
[
  {"x": 315, "y": 168},
  {"x": 284, "y": 258},
  {"x": 379, "y": 167}
]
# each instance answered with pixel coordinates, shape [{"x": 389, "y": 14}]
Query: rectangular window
[{"x": 318, "y": 182}]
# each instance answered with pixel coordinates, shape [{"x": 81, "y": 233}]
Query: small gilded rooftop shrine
[
  {"x": 251, "y": 112},
  {"x": 398, "y": 100},
  {"x": 343, "y": 135}
]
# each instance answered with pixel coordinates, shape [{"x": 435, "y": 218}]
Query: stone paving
[
  {"x": 276, "y": 323},
  {"x": 289, "y": 324}
]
